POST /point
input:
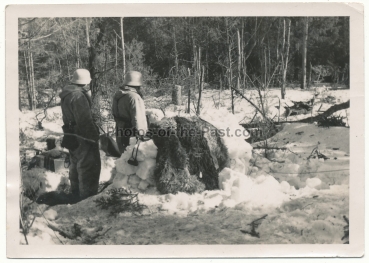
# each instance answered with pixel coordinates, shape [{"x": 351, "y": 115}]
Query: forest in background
[{"x": 193, "y": 52}]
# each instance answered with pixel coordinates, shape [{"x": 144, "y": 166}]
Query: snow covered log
[
  {"x": 190, "y": 155},
  {"x": 328, "y": 112}
]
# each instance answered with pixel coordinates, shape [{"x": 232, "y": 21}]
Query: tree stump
[{"x": 177, "y": 95}]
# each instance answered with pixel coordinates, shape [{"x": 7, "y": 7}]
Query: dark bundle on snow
[
  {"x": 331, "y": 121},
  {"x": 300, "y": 107},
  {"x": 188, "y": 160}
]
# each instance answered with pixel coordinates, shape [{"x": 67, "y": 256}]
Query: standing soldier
[
  {"x": 81, "y": 137},
  {"x": 129, "y": 110}
]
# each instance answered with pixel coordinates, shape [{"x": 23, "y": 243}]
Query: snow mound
[
  {"x": 154, "y": 115},
  {"x": 234, "y": 136},
  {"x": 136, "y": 177}
]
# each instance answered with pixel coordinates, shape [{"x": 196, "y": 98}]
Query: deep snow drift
[{"x": 304, "y": 198}]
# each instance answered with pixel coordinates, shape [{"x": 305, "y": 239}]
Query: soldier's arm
[
  {"x": 83, "y": 118},
  {"x": 135, "y": 107}
]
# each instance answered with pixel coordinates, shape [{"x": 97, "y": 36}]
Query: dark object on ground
[
  {"x": 103, "y": 186},
  {"x": 316, "y": 154},
  {"x": 254, "y": 225},
  {"x": 32, "y": 163},
  {"x": 331, "y": 121},
  {"x": 133, "y": 160},
  {"x": 57, "y": 198},
  {"x": 260, "y": 131},
  {"x": 53, "y": 164},
  {"x": 50, "y": 142},
  {"x": 346, "y": 231},
  {"x": 299, "y": 107},
  {"x": 188, "y": 160},
  {"x": 327, "y": 113},
  {"x": 109, "y": 146},
  {"x": 329, "y": 99}
]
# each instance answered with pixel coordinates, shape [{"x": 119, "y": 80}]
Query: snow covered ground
[{"x": 277, "y": 197}]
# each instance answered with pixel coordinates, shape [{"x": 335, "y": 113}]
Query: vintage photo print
[{"x": 185, "y": 130}]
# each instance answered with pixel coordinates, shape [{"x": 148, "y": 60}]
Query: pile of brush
[
  {"x": 300, "y": 107},
  {"x": 331, "y": 121}
]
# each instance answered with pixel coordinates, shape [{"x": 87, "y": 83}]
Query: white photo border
[{"x": 356, "y": 246}]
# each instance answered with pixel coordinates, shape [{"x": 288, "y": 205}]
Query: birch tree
[
  {"x": 285, "y": 55},
  {"x": 304, "y": 52},
  {"x": 123, "y": 47}
]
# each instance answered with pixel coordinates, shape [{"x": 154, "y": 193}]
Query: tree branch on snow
[
  {"x": 254, "y": 225},
  {"x": 249, "y": 101},
  {"x": 330, "y": 111},
  {"x": 61, "y": 232}
]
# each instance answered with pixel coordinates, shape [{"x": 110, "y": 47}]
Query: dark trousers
[
  {"x": 84, "y": 170},
  {"x": 123, "y": 132}
]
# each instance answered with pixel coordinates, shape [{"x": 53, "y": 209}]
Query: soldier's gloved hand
[{"x": 140, "y": 135}]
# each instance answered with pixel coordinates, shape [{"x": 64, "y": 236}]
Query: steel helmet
[
  {"x": 81, "y": 76},
  {"x": 133, "y": 78}
]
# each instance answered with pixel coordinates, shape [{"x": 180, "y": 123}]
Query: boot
[{"x": 57, "y": 198}]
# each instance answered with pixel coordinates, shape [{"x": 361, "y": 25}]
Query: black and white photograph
[{"x": 179, "y": 129}]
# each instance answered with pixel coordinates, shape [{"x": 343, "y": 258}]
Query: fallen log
[{"x": 327, "y": 113}]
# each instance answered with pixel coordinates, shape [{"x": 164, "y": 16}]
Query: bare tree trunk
[
  {"x": 242, "y": 56},
  {"x": 265, "y": 68},
  {"x": 106, "y": 56},
  {"x": 32, "y": 82},
  {"x": 175, "y": 52},
  {"x": 189, "y": 100},
  {"x": 220, "y": 89},
  {"x": 116, "y": 55},
  {"x": 27, "y": 82},
  {"x": 304, "y": 52},
  {"x": 189, "y": 94},
  {"x": 229, "y": 65},
  {"x": 77, "y": 48},
  {"x": 77, "y": 51},
  {"x": 60, "y": 67},
  {"x": 199, "y": 65},
  {"x": 269, "y": 62},
  {"x": 200, "y": 90},
  {"x": 194, "y": 61},
  {"x": 285, "y": 60},
  {"x": 123, "y": 48},
  {"x": 177, "y": 95},
  {"x": 68, "y": 66},
  {"x": 19, "y": 99},
  {"x": 284, "y": 36},
  {"x": 278, "y": 37},
  {"x": 309, "y": 79},
  {"x": 95, "y": 95},
  {"x": 239, "y": 60},
  {"x": 297, "y": 56}
]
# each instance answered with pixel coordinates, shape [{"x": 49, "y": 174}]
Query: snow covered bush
[{"x": 190, "y": 159}]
